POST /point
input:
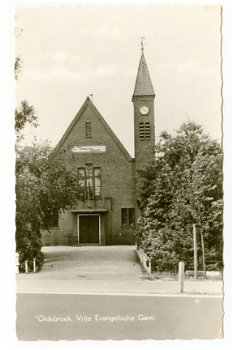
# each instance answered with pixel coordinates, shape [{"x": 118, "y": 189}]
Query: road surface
[{"x": 101, "y": 317}]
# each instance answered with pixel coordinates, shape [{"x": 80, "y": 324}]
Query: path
[{"x": 90, "y": 263}]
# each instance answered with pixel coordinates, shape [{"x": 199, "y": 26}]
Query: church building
[{"x": 106, "y": 212}]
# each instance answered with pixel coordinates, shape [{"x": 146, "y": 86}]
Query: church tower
[{"x": 144, "y": 125}]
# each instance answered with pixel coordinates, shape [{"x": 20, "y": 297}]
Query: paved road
[
  {"x": 117, "y": 317},
  {"x": 101, "y": 269},
  {"x": 117, "y": 263},
  {"x": 26, "y": 284}
]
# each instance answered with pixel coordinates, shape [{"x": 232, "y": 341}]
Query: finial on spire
[{"x": 142, "y": 43}]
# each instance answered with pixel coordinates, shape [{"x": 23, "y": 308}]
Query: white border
[{"x": 7, "y": 196}]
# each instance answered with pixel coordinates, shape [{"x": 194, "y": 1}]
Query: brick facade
[{"x": 111, "y": 213}]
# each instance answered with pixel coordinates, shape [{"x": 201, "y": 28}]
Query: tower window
[
  {"x": 128, "y": 217},
  {"x": 88, "y": 129},
  {"x": 144, "y": 131}
]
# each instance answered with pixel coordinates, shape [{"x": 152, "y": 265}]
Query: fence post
[
  {"x": 203, "y": 254},
  {"x": 181, "y": 276},
  {"x": 195, "y": 251},
  {"x": 26, "y": 266},
  {"x": 34, "y": 265}
]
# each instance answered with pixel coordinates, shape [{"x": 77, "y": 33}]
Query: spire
[{"x": 143, "y": 85}]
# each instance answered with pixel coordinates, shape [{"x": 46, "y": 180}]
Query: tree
[
  {"x": 28, "y": 243},
  {"x": 183, "y": 187},
  {"x": 25, "y": 113},
  {"x": 44, "y": 187},
  {"x": 18, "y": 66}
]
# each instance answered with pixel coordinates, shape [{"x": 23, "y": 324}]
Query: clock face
[{"x": 144, "y": 110}]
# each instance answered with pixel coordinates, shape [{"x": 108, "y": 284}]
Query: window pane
[
  {"x": 89, "y": 172},
  {"x": 81, "y": 171},
  {"x": 97, "y": 182},
  {"x": 50, "y": 218},
  {"x": 131, "y": 216},
  {"x": 90, "y": 192},
  {"x": 81, "y": 177},
  {"x": 124, "y": 216},
  {"x": 89, "y": 182},
  {"x": 97, "y": 172},
  {"x": 88, "y": 129},
  {"x": 97, "y": 188},
  {"x": 81, "y": 181}
]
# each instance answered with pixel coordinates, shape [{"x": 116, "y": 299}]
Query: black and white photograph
[{"x": 118, "y": 164}]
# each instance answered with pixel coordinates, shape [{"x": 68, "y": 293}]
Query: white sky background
[{"x": 71, "y": 52}]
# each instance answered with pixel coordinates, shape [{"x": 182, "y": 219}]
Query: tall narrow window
[
  {"x": 81, "y": 182},
  {"x": 124, "y": 217},
  {"x": 128, "y": 217},
  {"x": 97, "y": 182},
  {"x": 88, "y": 129},
  {"x": 89, "y": 182}
]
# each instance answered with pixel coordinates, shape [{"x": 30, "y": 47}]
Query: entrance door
[{"x": 88, "y": 228}]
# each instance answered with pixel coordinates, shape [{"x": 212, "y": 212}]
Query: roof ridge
[{"x": 78, "y": 115}]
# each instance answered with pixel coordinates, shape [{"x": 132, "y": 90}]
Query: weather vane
[{"x": 142, "y": 43}]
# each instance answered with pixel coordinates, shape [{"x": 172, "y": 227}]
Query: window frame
[
  {"x": 90, "y": 177},
  {"x": 144, "y": 131},
  {"x": 130, "y": 213},
  {"x": 88, "y": 129}
]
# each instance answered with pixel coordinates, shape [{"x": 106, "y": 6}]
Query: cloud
[
  {"x": 166, "y": 66},
  {"x": 187, "y": 67},
  {"x": 40, "y": 58},
  {"x": 60, "y": 56},
  {"x": 107, "y": 31},
  {"x": 75, "y": 59},
  {"x": 195, "y": 67},
  {"x": 59, "y": 71},
  {"x": 83, "y": 73}
]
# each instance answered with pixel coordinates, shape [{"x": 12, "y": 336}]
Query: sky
[{"x": 70, "y": 52}]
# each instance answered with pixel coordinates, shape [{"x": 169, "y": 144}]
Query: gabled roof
[
  {"x": 88, "y": 102},
  {"x": 143, "y": 85}
]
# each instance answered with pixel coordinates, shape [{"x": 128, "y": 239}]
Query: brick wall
[{"x": 117, "y": 178}]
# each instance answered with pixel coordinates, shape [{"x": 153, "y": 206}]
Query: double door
[{"x": 89, "y": 228}]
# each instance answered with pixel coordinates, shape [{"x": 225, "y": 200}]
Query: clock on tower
[{"x": 144, "y": 110}]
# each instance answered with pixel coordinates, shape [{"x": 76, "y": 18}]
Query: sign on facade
[{"x": 89, "y": 149}]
